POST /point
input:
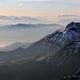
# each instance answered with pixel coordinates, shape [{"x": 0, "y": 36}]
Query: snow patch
[{"x": 41, "y": 58}]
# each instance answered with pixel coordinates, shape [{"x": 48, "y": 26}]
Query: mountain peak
[
  {"x": 62, "y": 38},
  {"x": 73, "y": 26}
]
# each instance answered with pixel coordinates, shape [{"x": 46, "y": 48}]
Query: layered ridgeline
[
  {"x": 14, "y": 46},
  {"x": 51, "y": 58}
]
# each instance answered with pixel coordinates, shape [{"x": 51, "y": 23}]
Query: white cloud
[{"x": 21, "y": 4}]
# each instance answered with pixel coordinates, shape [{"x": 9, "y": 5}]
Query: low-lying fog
[{"x": 28, "y": 34}]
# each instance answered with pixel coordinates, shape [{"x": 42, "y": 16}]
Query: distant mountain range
[
  {"x": 17, "y": 18},
  {"x": 51, "y": 58},
  {"x": 22, "y": 25}
]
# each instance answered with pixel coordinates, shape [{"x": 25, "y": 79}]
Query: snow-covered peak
[
  {"x": 63, "y": 37},
  {"x": 73, "y": 26}
]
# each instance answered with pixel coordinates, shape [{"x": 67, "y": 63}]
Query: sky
[{"x": 49, "y": 8}]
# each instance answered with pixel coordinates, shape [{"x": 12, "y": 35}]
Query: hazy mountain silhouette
[
  {"x": 22, "y": 25},
  {"x": 17, "y": 18},
  {"x": 14, "y": 46}
]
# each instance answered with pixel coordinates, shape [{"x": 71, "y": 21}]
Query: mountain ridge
[
  {"x": 51, "y": 44},
  {"x": 51, "y": 58},
  {"x": 14, "y": 46},
  {"x": 28, "y": 25}
]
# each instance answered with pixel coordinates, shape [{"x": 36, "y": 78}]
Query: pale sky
[{"x": 39, "y": 7}]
